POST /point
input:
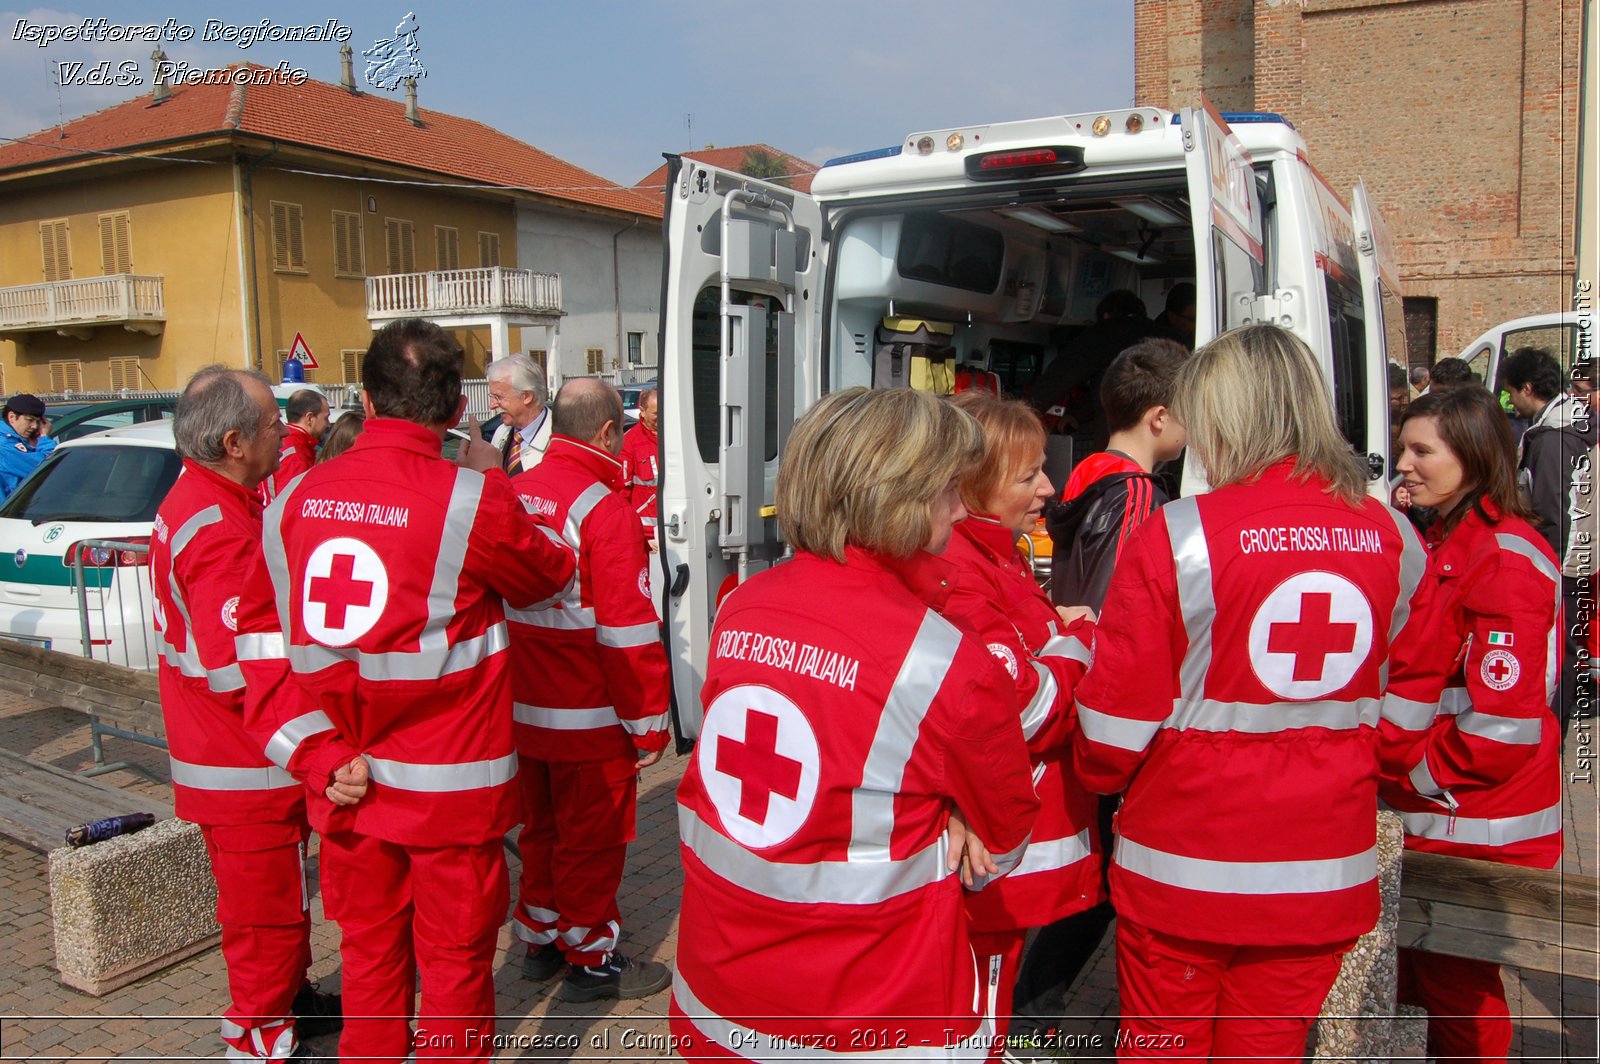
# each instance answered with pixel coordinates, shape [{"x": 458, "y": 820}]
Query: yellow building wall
[
  {"x": 330, "y": 311},
  {"x": 181, "y": 228}
]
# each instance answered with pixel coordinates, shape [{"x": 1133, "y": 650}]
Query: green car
[{"x": 69, "y": 421}]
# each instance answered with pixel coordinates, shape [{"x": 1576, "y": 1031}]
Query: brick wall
[{"x": 1461, "y": 116}]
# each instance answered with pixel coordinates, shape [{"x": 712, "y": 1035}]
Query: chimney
[
  {"x": 411, "y": 102},
  {"x": 161, "y": 93},
  {"x": 347, "y": 69}
]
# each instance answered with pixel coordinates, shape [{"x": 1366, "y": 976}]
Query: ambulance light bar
[{"x": 1025, "y": 162}]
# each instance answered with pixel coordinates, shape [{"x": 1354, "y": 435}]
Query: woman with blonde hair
[
  {"x": 993, "y": 596},
  {"x": 844, "y": 721},
  {"x": 1234, "y": 697},
  {"x": 1474, "y": 766}
]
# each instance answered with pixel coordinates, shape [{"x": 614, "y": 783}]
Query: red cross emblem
[
  {"x": 1313, "y": 637},
  {"x": 340, "y": 590},
  {"x": 1500, "y": 669},
  {"x": 756, "y": 763}
]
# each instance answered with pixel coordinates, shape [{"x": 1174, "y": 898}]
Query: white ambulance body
[{"x": 1006, "y": 232}]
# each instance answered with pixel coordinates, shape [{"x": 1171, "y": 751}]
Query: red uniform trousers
[
  {"x": 578, "y": 821},
  {"x": 1468, "y": 1019},
  {"x": 262, "y": 907},
  {"x": 1187, "y": 999},
  {"x": 401, "y": 908},
  {"x": 999, "y": 957}
]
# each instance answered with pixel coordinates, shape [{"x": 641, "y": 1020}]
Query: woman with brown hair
[
  {"x": 1473, "y": 762},
  {"x": 991, "y": 594}
]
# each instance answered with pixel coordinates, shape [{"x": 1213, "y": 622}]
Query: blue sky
[{"x": 606, "y": 84}]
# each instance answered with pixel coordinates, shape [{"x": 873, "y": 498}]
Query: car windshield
[{"x": 111, "y": 483}]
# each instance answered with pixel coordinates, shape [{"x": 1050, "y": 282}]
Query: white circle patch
[
  {"x": 1310, "y": 636},
  {"x": 1004, "y": 655},
  {"x": 1500, "y": 669},
  {"x": 230, "y": 614},
  {"x": 345, "y": 591},
  {"x": 760, "y": 764},
  {"x": 644, "y": 581}
]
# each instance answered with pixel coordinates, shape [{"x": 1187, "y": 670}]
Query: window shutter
[
  {"x": 116, "y": 255},
  {"x": 66, "y": 375},
  {"x": 596, "y": 359},
  {"x": 288, "y": 236},
  {"x": 348, "y": 259},
  {"x": 352, "y": 360},
  {"x": 55, "y": 247},
  {"x": 124, "y": 374},
  {"x": 447, "y": 247},
  {"x": 400, "y": 245},
  {"x": 488, "y": 249}
]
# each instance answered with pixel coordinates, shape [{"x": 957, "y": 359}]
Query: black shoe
[
  {"x": 617, "y": 977},
  {"x": 316, "y": 1013},
  {"x": 543, "y": 962}
]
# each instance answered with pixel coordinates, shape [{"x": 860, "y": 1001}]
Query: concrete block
[
  {"x": 1358, "y": 1019},
  {"x": 132, "y": 905}
]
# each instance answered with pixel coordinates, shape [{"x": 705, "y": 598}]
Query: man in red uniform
[
  {"x": 640, "y": 464},
  {"x": 595, "y": 665},
  {"x": 382, "y": 591},
  {"x": 307, "y": 416},
  {"x": 251, "y": 813}
]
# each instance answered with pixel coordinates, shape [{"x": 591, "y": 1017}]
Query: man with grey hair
[
  {"x": 595, "y": 667},
  {"x": 252, "y": 814},
  {"x": 517, "y": 389}
]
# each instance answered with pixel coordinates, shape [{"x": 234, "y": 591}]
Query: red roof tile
[
  {"x": 319, "y": 115},
  {"x": 732, "y": 158}
]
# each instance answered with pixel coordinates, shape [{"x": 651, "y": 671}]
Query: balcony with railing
[
  {"x": 495, "y": 290},
  {"x": 135, "y": 301}
]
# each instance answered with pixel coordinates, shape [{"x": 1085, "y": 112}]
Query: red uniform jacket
[
  {"x": 994, "y": 597},
  {"x": 206, "y": 528},
  {"x": 381, "y": 589},
  {"x": 298, "y": 455},
  {"x": 843, "y": 721},
  {"x": 1476, "y": 765},
  {"x": 641, "y": 475},
  {"x": 588, "y": 673},
  {"x": 1237, "y": 682}
]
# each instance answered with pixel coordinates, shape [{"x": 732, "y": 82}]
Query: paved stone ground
[{"x": 170, "y": 1015}]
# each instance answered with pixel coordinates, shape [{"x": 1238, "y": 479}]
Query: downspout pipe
[
  {"x": 616, "y": 288},
  {"x": 250, "y": 230}
]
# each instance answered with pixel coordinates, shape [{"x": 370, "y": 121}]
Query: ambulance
[{"x": 992, "y": 240}]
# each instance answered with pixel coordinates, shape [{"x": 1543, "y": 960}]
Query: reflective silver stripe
[
  {"x": 460, "y": 514},
  {"x": 850, "y": 882},
  {"x": 1124, "y": 734},
  {"x": 405, "y": 664},
  {"x": 1247, "y": 877},
  {"x": 230, "y": 1029},
  {"x": 1067, "y": 646},
  {"x": 899, "y": 726},
  {"x": 645, "y": 725},
  {"x": 1408, "y": 713},
  {"x": 222, "y": 681},
  {"x": 259, "y": 646},
  {"x": 273, "y": 549},
  {"x": 1413, "y": 566},
  {"x": 1256, "y": 719},
  {"x": 579, "y": 511},
  {"x": 287, "y": 739},
  {"x": 1051, "y": 854},
  {"x": 1005, "y": 862},
  {"x": 1423, "y": 783},
  {"x": 1037, "y": 711},
  {"x": 637, "y": 483},
  {"x": 1517, "y": 731},
  {"x": 1484, "y": 831},
  {"x": 1454, "y": 700},
  {"x": 561, "y": 618},
  {"x": 1198, "y": 604},
  {"x": 581, "y": 938},
  {"x": 1518, "y": 545},
  {"x": 543, "y": 916},
  {"x": 223, "y": 778},
  {"x": 749, "y": 1044},
  {"x": 564, "y": 719},
  {"x": 463, "y": 776},
  {"x": 624, "y": 636}
]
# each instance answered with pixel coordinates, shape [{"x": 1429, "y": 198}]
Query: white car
[{"x": 101, "y": 488}]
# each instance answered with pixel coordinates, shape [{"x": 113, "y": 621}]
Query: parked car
[
  {"x": 486, "y": 428},
  {"x": 69, "y": 421},
  {"x": 101, "y": 487},
  {"x": 630, "y": 400},
  {"x": 1564, "y": 335}
]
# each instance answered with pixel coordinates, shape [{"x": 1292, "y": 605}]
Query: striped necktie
[{"x": 513, "y": 459}]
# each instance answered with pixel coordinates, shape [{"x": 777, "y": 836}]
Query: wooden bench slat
[
  {"x": 39, "y": 802},
  {"x": 128, "y": 699},
  {"x": 1503, "y": 888}
]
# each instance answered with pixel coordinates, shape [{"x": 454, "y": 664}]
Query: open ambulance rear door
[
  {"x": 740, "y": 338},
  {"x": 1380, "y": 292},
  {"x": 1229, "y": 252}
]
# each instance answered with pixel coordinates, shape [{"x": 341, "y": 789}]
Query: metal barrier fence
[{"x": 116, "y": 610}]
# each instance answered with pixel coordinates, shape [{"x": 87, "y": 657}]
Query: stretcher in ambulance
[{"x": 992, "y": 242}]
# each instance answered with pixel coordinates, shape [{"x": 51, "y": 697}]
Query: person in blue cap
[{"x": 23, "y": 443}]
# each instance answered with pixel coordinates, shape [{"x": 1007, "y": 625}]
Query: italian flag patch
[{"x": 1500, "y": 639}]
